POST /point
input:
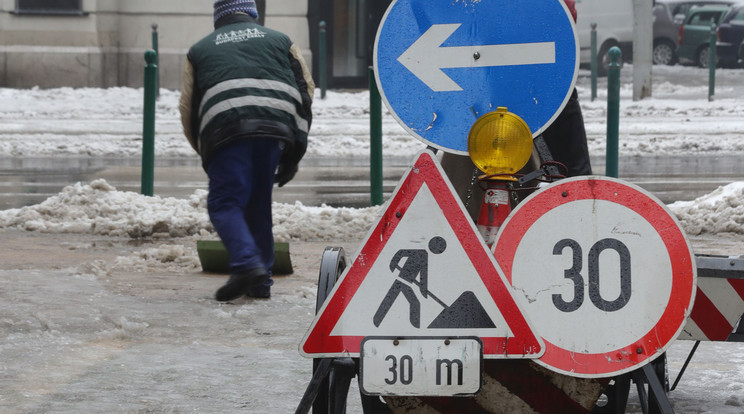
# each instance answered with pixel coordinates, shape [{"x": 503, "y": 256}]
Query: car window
[
  {"x": 684, "y": 8},
  {"x": 704, "y": 18},
  {"x": 680, "y": 9},
  {"x": 739, "y": 16}
]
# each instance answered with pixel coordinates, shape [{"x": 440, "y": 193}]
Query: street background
[{"x": 103, "y": 303}]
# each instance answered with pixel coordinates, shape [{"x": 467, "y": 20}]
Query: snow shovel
[{"x": 214, "y": 258}]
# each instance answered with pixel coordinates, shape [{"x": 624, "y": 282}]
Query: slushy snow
[{"x": 98, "y": 208}]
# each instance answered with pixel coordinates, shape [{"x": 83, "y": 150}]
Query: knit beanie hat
[{"x": 225, "y": 7}]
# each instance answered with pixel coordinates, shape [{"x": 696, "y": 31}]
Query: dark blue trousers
[{"x": 241, "y": 179}]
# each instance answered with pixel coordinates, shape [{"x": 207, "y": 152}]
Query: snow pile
[
  {"x": 77, "y": 103},
  {"x": 175, "y": 258},
  {"x": 341, "y": 128},
  {"x": 98, "y": 208},
  {"x": 87, "y": 121},
  {"x": 677, "y": 120},
  {"x": 298, "y": 222},
  {"x": 721, "y": 211}
]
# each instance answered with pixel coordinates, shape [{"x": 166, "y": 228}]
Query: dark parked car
[
  {"x": 730, "y": 36},
  {"x": 668, "y": 17},
  {"x": 694, "y": 35}
]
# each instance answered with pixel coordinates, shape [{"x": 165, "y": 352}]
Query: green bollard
[
  {"x": 613, "y": 112},
  {"x": 712, "y": 63},
  {"x": 375, "y": 143},
  {"x": 157, "y": 57},
  {"x": 148, "y": 124},
  {"x": 594, "y": 61},
  {"x": 322, "y": 63}
]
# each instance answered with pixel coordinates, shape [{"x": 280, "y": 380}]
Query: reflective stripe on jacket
[{"x": 248, "y": 81}]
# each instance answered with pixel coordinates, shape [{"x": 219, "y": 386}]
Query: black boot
[
  {"x": 259, "y": 292},
  {"x": 240, "y": 283}
]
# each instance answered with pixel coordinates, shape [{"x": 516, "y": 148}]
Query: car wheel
[
  {"x": 663, "y": 53},
  {"x": 703, "y": 56}
]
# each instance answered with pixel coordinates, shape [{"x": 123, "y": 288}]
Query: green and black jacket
[{"x": 246, "y": 81}]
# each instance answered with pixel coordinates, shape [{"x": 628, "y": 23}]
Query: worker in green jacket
[{"x": 246, "y": 110}]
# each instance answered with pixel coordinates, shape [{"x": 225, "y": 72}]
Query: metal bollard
[
  {"x": 322, "y": 63},
  {"x": 613, "y": 112},
  {"x": 594, "y": 61},
  {"x": 157, "y": 57},
  {"x": 375, "y": 143},
  {"x": 148, "y": 124},
  {"x": 712, "y": 63}
]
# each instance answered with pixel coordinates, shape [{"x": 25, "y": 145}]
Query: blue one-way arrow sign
[
  {"x": 441, "y": 64},
  {"x": 426, "y": 58}
]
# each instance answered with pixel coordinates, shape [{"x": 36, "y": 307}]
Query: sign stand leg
[
  {"x": 656, "y": 390},
  {"x": 338, "y": 372},
  {"x": 320, "y": 374},
  {"x": 642, "y": 395},
  {"x": 331, "y": 376},
  {"x": 684, "y": 366},
  {"x": 342, "y": 372}
]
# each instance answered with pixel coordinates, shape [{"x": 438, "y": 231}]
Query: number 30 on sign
[{"x": 608, "y": 274}]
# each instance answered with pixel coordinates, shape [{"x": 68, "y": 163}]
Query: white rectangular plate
[{"x": 424, "y": 366}]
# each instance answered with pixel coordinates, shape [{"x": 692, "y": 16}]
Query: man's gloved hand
[{"x": 285, "y": 173}]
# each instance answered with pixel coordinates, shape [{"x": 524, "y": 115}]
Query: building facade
[{"x": 101, "y": 43}]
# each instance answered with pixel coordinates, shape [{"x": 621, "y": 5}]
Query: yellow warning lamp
[{"x": 500, "y": 144}]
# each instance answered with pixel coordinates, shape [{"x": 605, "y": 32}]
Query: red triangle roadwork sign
[{"x": 423, "y": 270}]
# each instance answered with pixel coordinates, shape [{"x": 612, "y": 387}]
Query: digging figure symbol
[{"x": 465, "y": 312}]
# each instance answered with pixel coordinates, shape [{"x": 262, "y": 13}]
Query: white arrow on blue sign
[{"x": 442, "y": 64}]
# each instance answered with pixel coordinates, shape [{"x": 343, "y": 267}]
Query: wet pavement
[{"x": 339, "y": 182}]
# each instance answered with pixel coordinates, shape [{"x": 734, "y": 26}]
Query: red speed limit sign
[{"x": 608, "y": 274}]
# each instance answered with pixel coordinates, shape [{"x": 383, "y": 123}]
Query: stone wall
[{"x": 105, "y": 46}]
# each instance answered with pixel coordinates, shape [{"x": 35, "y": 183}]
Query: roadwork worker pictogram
[{"x": 413, "y": 271}]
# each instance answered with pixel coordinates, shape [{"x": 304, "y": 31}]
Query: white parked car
[{"x": 614, "y": 19}]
